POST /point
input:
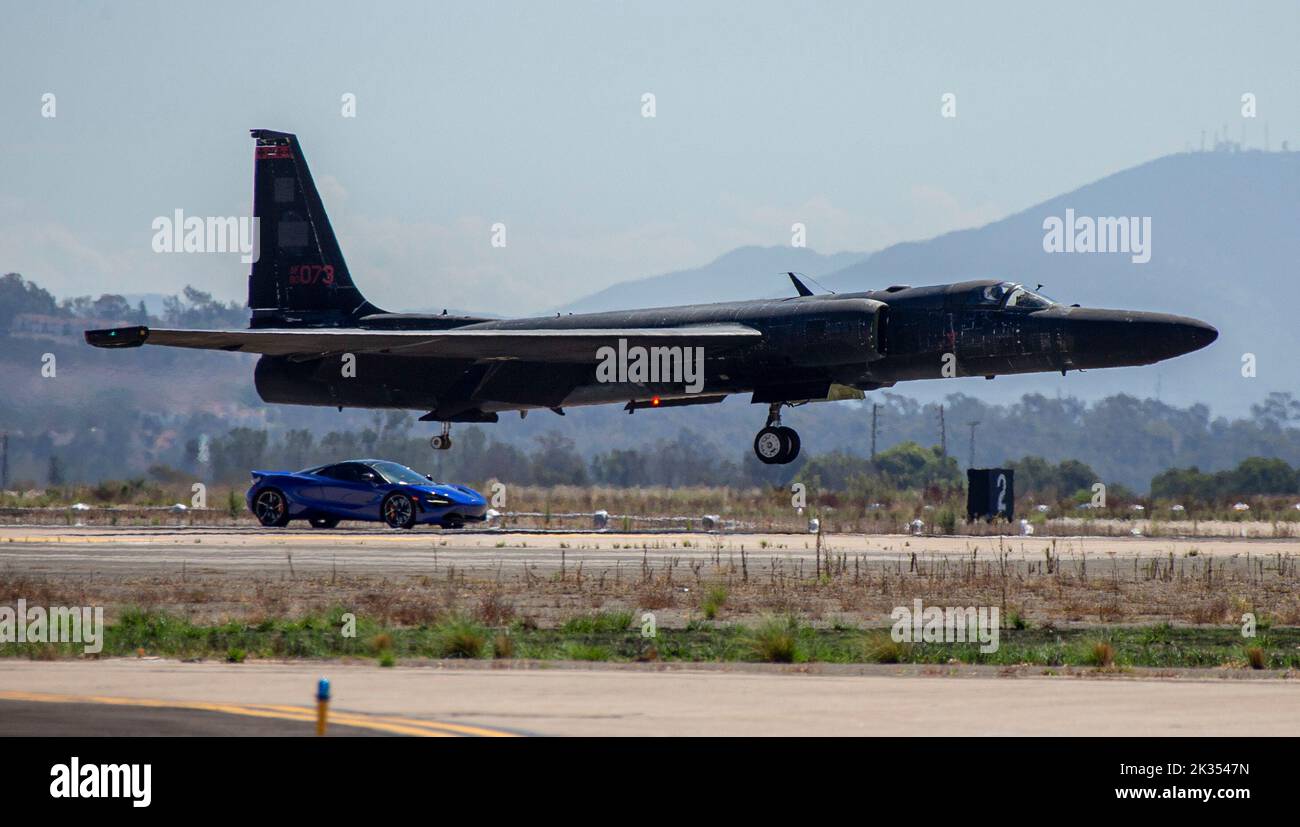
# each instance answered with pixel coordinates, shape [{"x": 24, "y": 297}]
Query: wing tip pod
[{"x": 133, "y": 336}]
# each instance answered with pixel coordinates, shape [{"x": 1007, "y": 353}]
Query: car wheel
[
  {"x": 398, "y": 511},
  {"x": 323, "y": 522},
  {"x": 271, "y": 508}
]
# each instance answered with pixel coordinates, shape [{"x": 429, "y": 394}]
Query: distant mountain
[
  {"x": 1225, "y": 247},
  {"x": 743, "y": 273}
]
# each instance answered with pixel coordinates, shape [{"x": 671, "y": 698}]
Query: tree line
[
  {"x": 192, "y": 308},
  {"x": 554, "y": 460},
  {"x": 103, "y": 419}
]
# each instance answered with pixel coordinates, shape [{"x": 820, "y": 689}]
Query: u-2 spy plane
[{"x": 309, "y": 319}]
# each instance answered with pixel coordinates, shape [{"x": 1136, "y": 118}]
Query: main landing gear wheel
[
  {"x": 271, "y": 508},
  {"x": 791, "y": 443},
  {"x": 398, "y": 511},
  {"x": 769, "y": 446},
  {"x": 443, "y": 441},
  {"x": 776, "y": 445}
]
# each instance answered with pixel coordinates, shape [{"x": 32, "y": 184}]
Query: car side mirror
[{"x": 429, "y": 477}]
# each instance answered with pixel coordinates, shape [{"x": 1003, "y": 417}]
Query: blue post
[{"x": 322, "y": 704}]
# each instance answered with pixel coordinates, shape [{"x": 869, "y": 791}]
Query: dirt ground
[{"x": 421, "y": 576}]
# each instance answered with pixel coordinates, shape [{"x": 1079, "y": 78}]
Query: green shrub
[
  {"x": 880, "y": 647},
  {"x": 713, "y": 601},
  {"x": 600, "y": 622},
  {"x": 461, "y": 638},
  {"x": 776, "y": 640}
]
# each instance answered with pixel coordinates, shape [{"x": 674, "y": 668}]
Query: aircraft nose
[
  {"x": 1202, "y": 334},
  {"x": 1169, "y": 336},
  {"x": 1111, "y": 338},
  {"x": 1185, "y": 335}
]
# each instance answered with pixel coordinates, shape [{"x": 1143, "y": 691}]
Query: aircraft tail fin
[{"x": 299, "y": 278}]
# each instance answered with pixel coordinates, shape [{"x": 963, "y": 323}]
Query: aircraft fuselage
[{"x": 861, "y": 340}]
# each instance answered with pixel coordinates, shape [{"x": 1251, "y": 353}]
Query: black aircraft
[{"x": 322, "y": 343}]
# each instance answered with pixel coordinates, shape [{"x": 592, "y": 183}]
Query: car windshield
[
  {"x": 1028, "y": 299},
  {"x": 395, "y": 473}
]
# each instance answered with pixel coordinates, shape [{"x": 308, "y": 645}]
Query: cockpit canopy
[{"x": 1008, "y": 294}]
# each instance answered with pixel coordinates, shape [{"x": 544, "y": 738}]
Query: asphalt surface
[
  {"x": 58, "y": 720},
  {"x": 161, "y": 705},
  {"x": 481, "y": 699}
]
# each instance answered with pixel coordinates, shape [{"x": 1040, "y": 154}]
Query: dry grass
[
  {"x": 1256, "y": 658},
  {"x": 495, "y": 609},
  {"x": 1102, "y": 655},
  {"x": 503, "y": 646},
  {"x": 860, "y": 590}
]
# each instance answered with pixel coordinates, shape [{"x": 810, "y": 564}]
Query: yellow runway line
[{"x": 381, "y": 723}]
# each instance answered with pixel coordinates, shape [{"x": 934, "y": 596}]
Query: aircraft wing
[{"x": 528, "y": 344}]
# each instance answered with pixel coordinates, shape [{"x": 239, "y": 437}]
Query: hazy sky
[{"x": 530, "y": 114}]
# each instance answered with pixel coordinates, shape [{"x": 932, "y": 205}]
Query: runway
[
  {"x": 637, "y": 701},
  {"x": 44, "y": 550}
]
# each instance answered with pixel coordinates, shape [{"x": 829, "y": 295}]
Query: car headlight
[{"x": 436, "y": 499}]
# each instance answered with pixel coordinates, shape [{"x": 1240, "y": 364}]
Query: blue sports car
[{"x": 361, "y": 489}]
